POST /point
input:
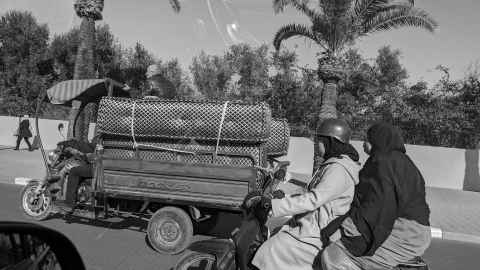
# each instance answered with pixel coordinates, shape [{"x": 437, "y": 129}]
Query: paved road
[{"x": 107, "y": 246}]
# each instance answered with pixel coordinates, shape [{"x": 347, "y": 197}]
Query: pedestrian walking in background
[{"x": 24, "y": 132}]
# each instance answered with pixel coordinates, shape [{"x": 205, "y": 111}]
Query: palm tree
[
  {"x": 337, "y": 24},
  {"x": 90, "y": 11}
]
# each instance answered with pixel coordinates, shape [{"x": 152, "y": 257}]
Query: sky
[{"x": 213, "y": 25}]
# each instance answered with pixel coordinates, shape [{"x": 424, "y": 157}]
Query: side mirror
[{"x": 31, "y": 246}]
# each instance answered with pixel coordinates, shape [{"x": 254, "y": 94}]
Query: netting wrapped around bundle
[
  {"x": 228, "y": 154},
  {"x": 175, "y": 119},
  {"x": 277, "y": 144}
]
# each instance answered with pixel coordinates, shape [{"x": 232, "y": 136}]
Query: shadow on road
[
  {"x": 220, "y": 225},
  {"x": 115, "y": 223}
]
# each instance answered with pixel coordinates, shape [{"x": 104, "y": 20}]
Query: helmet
[{"x": 335, "y": 128}]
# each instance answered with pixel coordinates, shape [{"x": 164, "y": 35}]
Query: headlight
[{"x": 52, "y": 157}]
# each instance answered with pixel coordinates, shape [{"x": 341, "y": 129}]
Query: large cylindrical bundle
[
  {"x": 175, "y": 119},
  {"x": 277, "y": 144}
]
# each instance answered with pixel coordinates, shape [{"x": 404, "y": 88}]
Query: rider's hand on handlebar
[
  {"x": 278, "y": 194},
  {"x": 262, "y": 209}
]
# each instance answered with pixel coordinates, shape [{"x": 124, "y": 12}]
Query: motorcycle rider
[
  {"x": 85, "y": 151},
  {"x": 328, "y": 196},
  {"x": 390, "y": 223}
]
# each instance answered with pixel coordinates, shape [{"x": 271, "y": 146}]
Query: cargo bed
[{"x": 177, "y": 182}]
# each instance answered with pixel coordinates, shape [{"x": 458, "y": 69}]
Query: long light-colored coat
[{"x": 297, "y": 244}]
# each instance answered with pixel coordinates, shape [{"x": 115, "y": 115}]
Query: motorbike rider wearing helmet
[
  {"x": 329, "y": 195},
  {"x": 389, "y": 224}
]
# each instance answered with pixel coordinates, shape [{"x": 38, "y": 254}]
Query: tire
[
  {"x": 170, "y": 230},
  {"x": 37, "y": 208},
  {"x": 196, "y": 260}
]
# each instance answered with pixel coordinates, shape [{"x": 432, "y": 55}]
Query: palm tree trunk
[
  {"x": 328, "y": 109},
  {"x": 84, "y": 62},
  {"x": 89, "y": 11},
  {"x": 84, "y": 69},
  {"x": 330, "y": 75}
]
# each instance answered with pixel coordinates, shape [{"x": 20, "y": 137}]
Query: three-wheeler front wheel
[
  {"x": 36, "y": 205},
  {"x": 170, "y": 230}
]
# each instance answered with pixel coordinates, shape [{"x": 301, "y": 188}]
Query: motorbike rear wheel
[{"x": 35, "y": 206}]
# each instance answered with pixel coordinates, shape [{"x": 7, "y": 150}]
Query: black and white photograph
[{"x": 239, "y": 135}]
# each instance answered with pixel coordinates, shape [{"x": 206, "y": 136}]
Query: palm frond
[
  {"x": 301, "y": 5},
  {"x": 311, "y": 13},
  {"x": 292, "y": 30},
  {"x": 400, "y": 17},
  {"x": 315, "y": 16},
  {"x": 175, "y": 5},
  {"x": 279, "y": 5},
  {"x": 364, "y": 7}
]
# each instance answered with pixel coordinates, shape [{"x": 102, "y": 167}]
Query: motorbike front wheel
[{"x": 36, "y": 205}]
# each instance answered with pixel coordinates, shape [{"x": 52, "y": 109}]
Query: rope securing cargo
[
  {"x": 222, "y": 119},
  {"x": 137, "y": 145}
]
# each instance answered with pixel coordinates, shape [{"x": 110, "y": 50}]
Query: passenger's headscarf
[
  {"x": 335, "y": 148},
  {"x": 385, "y": 138}
]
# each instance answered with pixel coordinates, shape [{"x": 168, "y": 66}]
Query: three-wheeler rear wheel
[{"x": 170, "y": 230}]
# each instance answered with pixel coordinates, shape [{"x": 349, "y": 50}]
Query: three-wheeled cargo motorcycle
[{"x": 173, "y": 183}]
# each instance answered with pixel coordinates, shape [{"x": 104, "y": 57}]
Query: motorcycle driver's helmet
[{"x": 335, "y": 128}]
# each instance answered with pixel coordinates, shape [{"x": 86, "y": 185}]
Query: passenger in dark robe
[{"x": 388, "y": 223}]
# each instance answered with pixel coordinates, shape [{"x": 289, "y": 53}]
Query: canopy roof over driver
[{"x": 85, "y": 91}]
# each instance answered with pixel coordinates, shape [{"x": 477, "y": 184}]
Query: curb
[
  {"x": 436, "y": 232},
  {"x": 454, "y": 236},
  {"x": 461, "y": 237}
]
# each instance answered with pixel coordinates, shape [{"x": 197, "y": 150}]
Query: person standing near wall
[{"x": 24, "y": 132}]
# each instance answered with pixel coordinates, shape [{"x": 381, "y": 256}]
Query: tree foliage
[
  {"x": 444, "y": 114},
  {"x": 335, "y": 25},
  {"x": 24, "y": 44},
  {"x": 211, "y": 75}
]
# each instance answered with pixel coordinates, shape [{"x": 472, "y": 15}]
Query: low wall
[
  {"x": 441, "y": 167},
  {"x": 48, "y": 131}
]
